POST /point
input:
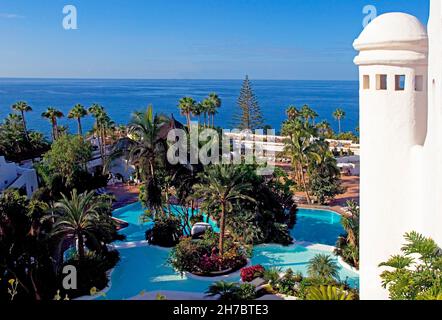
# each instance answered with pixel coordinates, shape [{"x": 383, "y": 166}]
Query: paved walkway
[
  {"x": 351, "y": 187},
  {"x": 124, "y": 194}
]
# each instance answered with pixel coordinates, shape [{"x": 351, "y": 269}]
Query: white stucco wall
[
  {"x": 8, "y": 173},
  {"x": 431, "y": 183},
  {"x": 394, "y": 144},
  {"x": 12, "y": 176}
]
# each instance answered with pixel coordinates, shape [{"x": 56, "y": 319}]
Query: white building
[
  {"x": 12, "y": 176},
  {"x": 400, "y": 66}
]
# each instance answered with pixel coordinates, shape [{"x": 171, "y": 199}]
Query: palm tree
[
  {"x": 52, "y": 114},
  {"x": 105, "y": 123},
  {"x": 351, "y": 223},
  {"x": 78, "y": 112},
  {"x": 22, "y": 107},
  {"x": 206, "y": 105},
  {"x": 79, "y": 218},
  {"x": 308, "y": 113},
  {"x": 225, "y": 290},
  {"x": 96, "y": 111},
  {"x": 147, "y": 151},
  {"x": 339, "y": 115},
  {"x": 187, "y": 105},
  {"x": 292, "y": 112},
  {"x": 322, "y": 266},
  {"x": 347, "y": 245},
  {"x": 215, "y": 105},
  {"x": 220, "y": 186},
  {"x": 302, "y": 151},
  {"x": 324, "y": 129},
  {"x": 197, "y": 111}
]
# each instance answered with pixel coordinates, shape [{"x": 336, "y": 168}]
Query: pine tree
[{"x": 249, "y": 115}]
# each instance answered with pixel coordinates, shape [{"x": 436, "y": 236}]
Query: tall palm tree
[
  {"x": 206, "y": 105},
  {"x": 324, "y": 129},
  {"x": 347, "y": 245},
  {"x": 308, "y": 114},
  {"x": 105, "y": 124},
  {"x": 79, "y": 218},
  {"x": 22, "y": 107},
  {"x": 97, "y": 111},
  {"x": 339, "y": 115},
  {"x": 351, "y": 223},
  {"x": 147, "y": 151},
  {"x": 302, "y": 150},
  {"x": 197, "y": 111},
  {"x": 186, "y": 105},
  {"x": 323, "y": 267},
  {"x": 52, "y": 114},
  {"x": 78, "y": 112},
  {"x": 221, "y": 185},
  {"x": 215, "y": 105}
]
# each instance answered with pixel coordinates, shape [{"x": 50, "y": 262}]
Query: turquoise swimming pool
[
  {"x": 145, "y": 269},
  {"x": 136, "y": 231}
]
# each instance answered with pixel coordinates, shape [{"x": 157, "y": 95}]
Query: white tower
[
  {"x": 431, "y": 197},
  {"x": 393, "y": 67}
]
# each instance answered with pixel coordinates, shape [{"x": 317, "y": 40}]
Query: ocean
[{"x": 122, "y": 97}]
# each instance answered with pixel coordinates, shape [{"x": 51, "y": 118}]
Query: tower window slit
[
  {"x": 381, "y": 82},
  {"x": 419, "y": 83},
  {"x": 366, "y": 82},
  {"x": 400, "y": 82}
]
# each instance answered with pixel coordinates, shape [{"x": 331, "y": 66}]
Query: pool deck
[
  {"x": 124, "y": 194},
  {"x": 351, "y": 187}
]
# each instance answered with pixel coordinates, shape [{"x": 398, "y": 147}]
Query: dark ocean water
[{"x": 122, "y": 97}]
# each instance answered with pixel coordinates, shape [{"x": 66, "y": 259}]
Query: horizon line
[{"x": 170, "y": 79}]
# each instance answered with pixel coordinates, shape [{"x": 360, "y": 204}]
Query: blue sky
[{"x": 187, "y": 39}]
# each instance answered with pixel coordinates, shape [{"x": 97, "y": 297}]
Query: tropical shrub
[
  {"x": 187, "y": 254},
  {"x": 328, "y": 293},
  {"x": 17, "y": 143},
  {"x": 249, "y": 274},
  {"x": 349, "y": 136},
  {"x": 67, "y": 158},
  {"x": 166, "y": 232},
  {"x": 323, "y": 267},
  {"x": 246, "y": 291},
  {"x": 231, "y": 291},
  {"x": 271, "y": 276},
  {"x": 31, "y": 243},
  {"x": 287, "y": 284},
  {"x": 347, "y": 245},
  {"x": 24, "y": 249},
  {"x": 91, "y": 272},
  {"x": 417, "y": 272},
  {"x": 226, "y": 291},
  {"x": 202, "y": 256}
]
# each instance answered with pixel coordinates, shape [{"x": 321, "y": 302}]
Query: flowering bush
[
  {"x": 211, "y": 263},
  {"x": 251, "y": 273},
  {"x": 202, "y": 256}
]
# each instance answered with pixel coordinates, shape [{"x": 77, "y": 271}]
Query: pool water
[
  {"x": 136, "y": 231},
  {"x": 145, "y": 269},
  {"x": 317, "y": 226}
]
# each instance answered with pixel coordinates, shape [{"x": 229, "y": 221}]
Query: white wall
[
  {"x": 392, "y": 122},
  {"x": 431, "y": 165},
  {"x": 8, "y": 173},
  {"x": 13, "y": 176}
]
